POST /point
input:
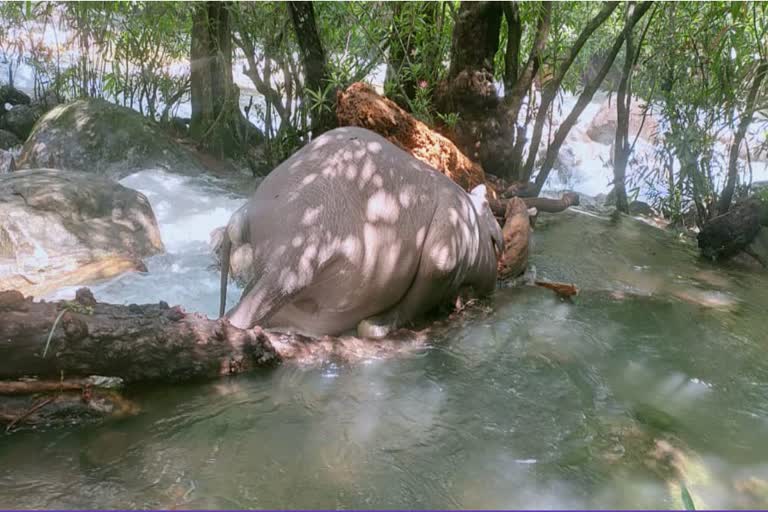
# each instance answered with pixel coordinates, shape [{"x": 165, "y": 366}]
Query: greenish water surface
[{"x": 656, "y": 372}]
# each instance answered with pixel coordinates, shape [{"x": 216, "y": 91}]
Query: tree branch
[
  {"x": 550, "y": 90},
  {"x": 733, "y": 156},
  {"x": 586, "y": 97}
]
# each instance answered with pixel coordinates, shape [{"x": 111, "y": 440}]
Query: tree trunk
[
  {"x": 314, "y": 63},
  {"x": 586, "y": 97},
  {"x": 549, "y": 91},
  {"x": 475, "y": 37},
  {"x": 215, "y": 99},
  {"x": 513, "y": 98},
  {"x": 514, "y": 38},
  {"x": 468, "y": 89},
  {"x": 733, "y": 156},
  {"x": 621, "y": 148}
]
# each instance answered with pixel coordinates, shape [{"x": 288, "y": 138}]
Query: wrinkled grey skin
[{"x": 352, "y": 231}]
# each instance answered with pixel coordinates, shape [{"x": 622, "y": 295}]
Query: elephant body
[{"x": 352, "y": 231}]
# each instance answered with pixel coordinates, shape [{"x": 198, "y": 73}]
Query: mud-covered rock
[{"x": 361, "y": 106}]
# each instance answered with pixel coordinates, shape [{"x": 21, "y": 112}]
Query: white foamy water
[{"x": 187, "y": 210}]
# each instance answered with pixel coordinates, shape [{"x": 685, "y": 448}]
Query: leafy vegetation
[{"x": 698, "y": 71}]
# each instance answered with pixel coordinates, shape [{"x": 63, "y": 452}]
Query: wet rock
[
  {"x": 8, "y": 140},
  {"x": 7, "y": 162},
  {"x": 99, "y": 137},
  {"x": 755, "y": 255},
  {"x": 13, "y": 96},
  {"x": 20, "y": 120},
  {"x": 641, "y": 208},
  {"x": 727, "y": 235},
  {"x": 49, "y": 100},
  {"x": 180, "y": 125},
  {"x": 63, "y": 228},
  {"x": 602, "y": 129}
]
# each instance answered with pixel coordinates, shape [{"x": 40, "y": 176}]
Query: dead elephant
[{"x": 352, "y": 231}]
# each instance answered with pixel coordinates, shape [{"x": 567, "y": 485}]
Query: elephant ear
[{"x": 479, "y": 197}]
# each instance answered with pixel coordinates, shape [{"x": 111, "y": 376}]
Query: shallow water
[{"x": 657, "y": 371}]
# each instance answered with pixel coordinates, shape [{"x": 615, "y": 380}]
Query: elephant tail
[{"x": 226, "y": 248}]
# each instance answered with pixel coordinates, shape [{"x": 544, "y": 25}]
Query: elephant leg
[{"x": 433, "y": 285}]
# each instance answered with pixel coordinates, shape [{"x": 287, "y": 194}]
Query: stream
[{"x": 656, "y": 373}]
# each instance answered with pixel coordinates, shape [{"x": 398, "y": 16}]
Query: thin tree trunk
[
  {"x": 733, "y": 155},
  {"x": 314, "y": 62},
  {"x": 514, "y": 37},
  {"x": 550, "y": 89},
  {"x": 475, "y": 37},
  {"x": 586, "y": 97},
  {"x": 621, "y": 148},
  {"x": 513, "y": 97}
]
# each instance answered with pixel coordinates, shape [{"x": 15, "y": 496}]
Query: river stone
[
  {"x": 20, "y": 120},
  {"x": 9, "y": 94},
  {"x": 602, "y": 128},
  {"x": 64, "y": 228},
  {"x": 755, "y": 256},
  {"x": 641, "y": 208},
  {"x": 8, "y": 140},
  {"x": 103, "y": 138},
  {"x": 7, "y": 162}
]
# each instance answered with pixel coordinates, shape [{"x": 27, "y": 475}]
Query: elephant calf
[{"x": 352, "y": 231}]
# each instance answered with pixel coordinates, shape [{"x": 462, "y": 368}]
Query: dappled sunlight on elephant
[{"x": 354, "y": 232}]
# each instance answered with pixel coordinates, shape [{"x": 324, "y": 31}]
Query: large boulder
[
  {"x": 8, "y": 140},
  {"x": 20, "y": 120},
  {"x": 602, "y": 128},
  {"x": 728, "y": 234},
  {"x": 104, "y": 138},
  {"x": 9, "y": 94},
  {"x": 65, "y": 228}
]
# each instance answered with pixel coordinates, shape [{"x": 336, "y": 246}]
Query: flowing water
[{"x": 656, "y": 373}]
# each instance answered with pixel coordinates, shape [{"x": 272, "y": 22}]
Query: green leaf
[{"x": 686, "y": 496}]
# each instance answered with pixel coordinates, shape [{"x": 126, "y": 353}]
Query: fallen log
[
  {"x": 361, "y": 106},
  {"x": 153, "y": 342},
  {"x": 63, "y": 407},
  {"x": 542, "y": 204},
  {"x": 547, "y": 205},
  {"x": 136, "y": 343}
]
